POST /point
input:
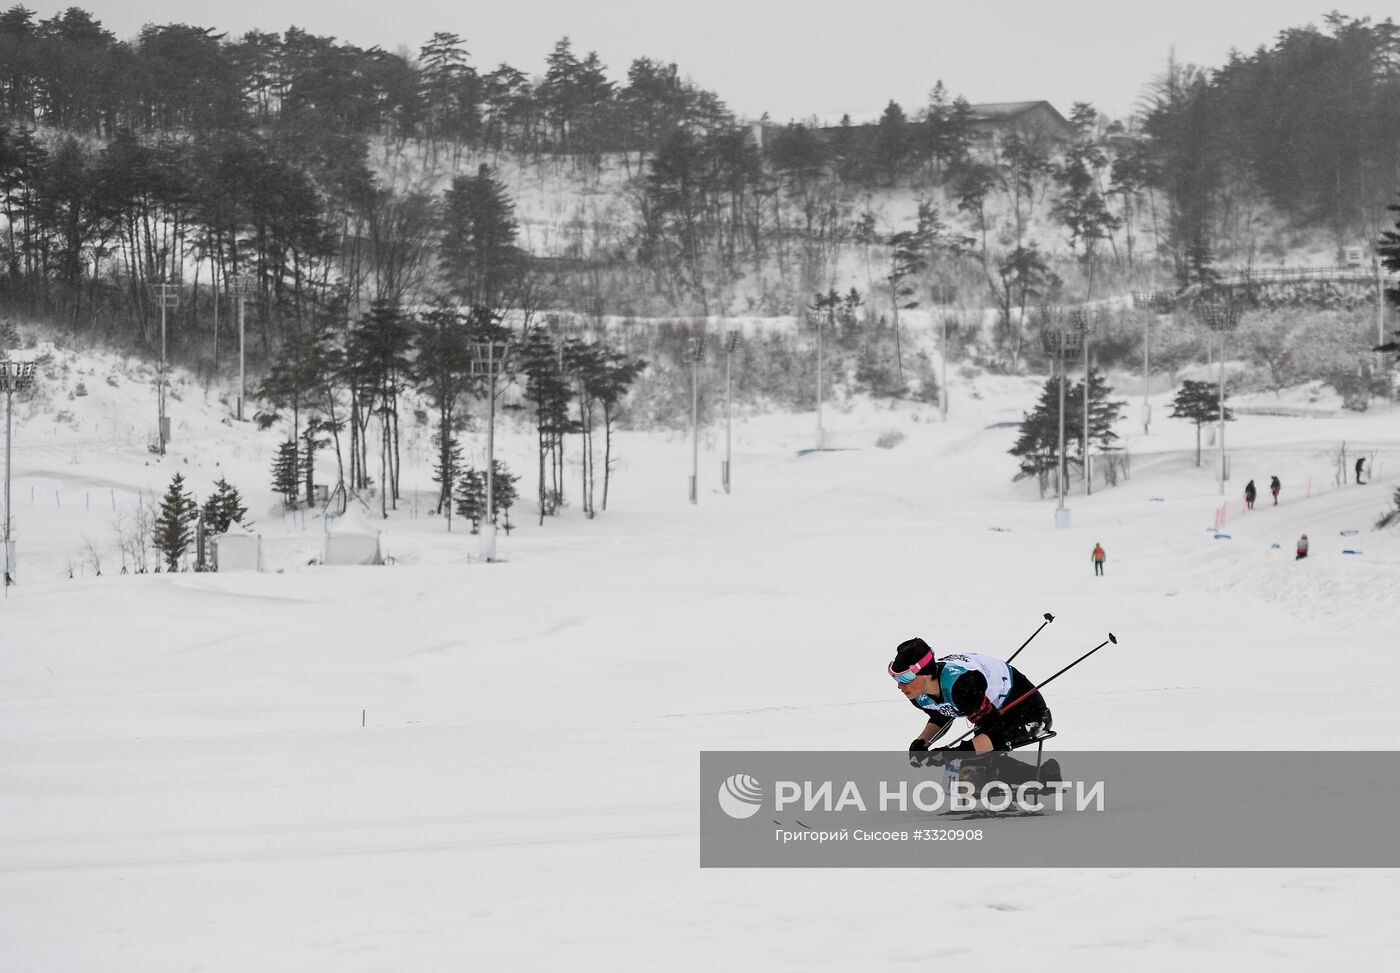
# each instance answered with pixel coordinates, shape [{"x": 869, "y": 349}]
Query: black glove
[{"x": 918, "y": 743}]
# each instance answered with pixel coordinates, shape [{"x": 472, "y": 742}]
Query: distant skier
[
  {"x": 974, "y": 686},
  {"x": 1099, "y": 557},
  {"x": 1249, "y": 494},
  {"x": 1274, "y": 487},
  {"x": 1302, "y": 548},
  {"x": 1360, "y": 465}
]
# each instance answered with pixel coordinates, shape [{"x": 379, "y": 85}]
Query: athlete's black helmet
[{"x": 911, "y": 653}]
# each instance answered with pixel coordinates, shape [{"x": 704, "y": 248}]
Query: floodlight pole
[
  {"x": 242, "y": 374},
  {"x": 484, "y": 353},
  {"x": 1081, "y": 320},
  {"x": 1221, "y": 407},
  {"x": 243, "y": 285},
  {"x": 1053, "y": 337},
  {"x": 694, "y": 429},
  {"x": 167, "y": 295},
  {"x": 943, "y": 348},
  {"x": 1380, "y": 323},
  {"x": 1380, "y": 303},
  {"x": 488, "y": 530},
  {"x": 9, "y": 434},
  {"x": 821, "y": 433},
  {"x": 1064, "y": 460},
  {"x": 943, "y": 295},
  {"x": 16, "y": 375},
  {"x": 697, "y": 355},
  {"x": 1146, "y": 372},
  {"x": 213, "y": 290},
  {"x": 160, "y": 394},
  {"x": 1221, "y": 318},
  {"x": 731, "y": 341}
]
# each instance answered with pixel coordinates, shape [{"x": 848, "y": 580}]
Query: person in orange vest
[
  {"x": 1302, "y": 548},
  {"x": 1099, "y": 557}
]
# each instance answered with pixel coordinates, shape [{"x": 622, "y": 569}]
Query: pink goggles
[{"x": 907, "y": 676}]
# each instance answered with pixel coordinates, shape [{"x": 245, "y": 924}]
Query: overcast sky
[{"x": 792, "y": 58}]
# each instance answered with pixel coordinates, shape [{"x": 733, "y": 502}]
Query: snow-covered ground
[{"x": 445, "y": 764}]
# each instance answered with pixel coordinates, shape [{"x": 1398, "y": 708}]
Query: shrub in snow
[
  {"x": 889, "y": 439},
  {"x": 1392, "y": 515}
]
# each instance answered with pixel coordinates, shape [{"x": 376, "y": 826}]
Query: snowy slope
[{"x": 188, "y": 784}]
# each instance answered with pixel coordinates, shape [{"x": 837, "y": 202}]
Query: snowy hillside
[{"x": 445, "y": 764}]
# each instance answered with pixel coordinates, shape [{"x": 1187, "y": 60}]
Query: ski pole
[
  {"x": 941, "y": 730},
  {"x": 1057, "y": 675},
  {"x": 1035, "y": 689},
  {"x": 1048, "y": 619}
]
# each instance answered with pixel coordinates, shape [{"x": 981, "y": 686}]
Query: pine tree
[
  {"x": 547, "y": 391},
  {"x": 585, "y": 363},
  {"x": 1103, "y": 414},
  {"x": 224, "y": 509},
  {"x": 471, "y": 498},
  {"x": 893, "y": 143},
  {"x": 1039, "y": 444},
  {"x": 297, "y": 383},
  {"x": 442, "y": 369},
  {"x": 172, "y": 531},
  {"x": 447, "y": 460},
  {"x": 479, "y": 257},
  {"x": 311, "y": 443},
  {"x": 1200, "y": 403},
  {"x": 619, "y": 373},
  {"x": 381, "y": 364},
  {"x": 503, "y": 492},
  {"x": 286, "y": 470},
  {"x": 926, "y": 377}
]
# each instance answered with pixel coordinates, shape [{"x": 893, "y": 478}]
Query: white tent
[
  {"x": 352, "y": 539},
  {"x": 238, "y": 550}
]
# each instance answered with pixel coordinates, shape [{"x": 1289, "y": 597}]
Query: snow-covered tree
[{"x": 173, "y": 529}]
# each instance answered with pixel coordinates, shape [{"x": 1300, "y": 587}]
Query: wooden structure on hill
[
  {"x": 1037, "y": 119},
  {"x": 1029, "y": 118}
]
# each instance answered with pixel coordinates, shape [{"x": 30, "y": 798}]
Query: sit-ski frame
[{"x": 1039, "y": 741}]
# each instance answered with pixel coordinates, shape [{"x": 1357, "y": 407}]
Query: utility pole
[
  {"x": 1147, "y": 303},
  {"x": 823, "y": 314},
  {"x": 1084, "y": 324},
  {"x": 731, "y": 341},
  {"x": 1380, "y": 302},
  {"x": 244, "y": 286},
  {"x": 1057, "y": 341},
  {"x": 488, "y": 358},
  {"x": 943, "y": 297},
  {"x": 167, "y": 295},
  {"x": 697, "y": 355},
  {"x": 1380, "y": 324},
  {"x": 214, "y": 290},
  {"x": 14, "y": 376},
  {"x": 1222, "y": 318}
]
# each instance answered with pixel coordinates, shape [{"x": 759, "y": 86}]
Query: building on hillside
[
  {"x": 989, "y": 119},
  {"x": 1033, "y": 118}
]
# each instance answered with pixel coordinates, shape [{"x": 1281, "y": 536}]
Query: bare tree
[{"x": 93, "y": 555}]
